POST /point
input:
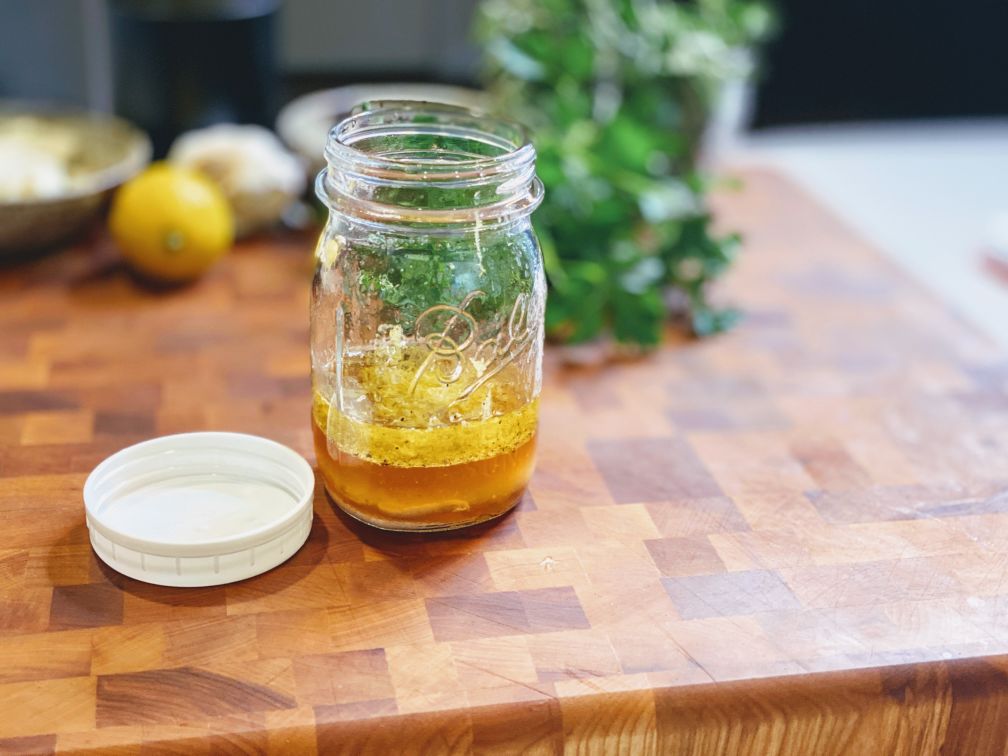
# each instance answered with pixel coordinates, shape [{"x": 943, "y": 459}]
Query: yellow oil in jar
[{"x": 421, "y": 446}]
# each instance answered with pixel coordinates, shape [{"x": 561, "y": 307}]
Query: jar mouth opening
[
  {"x": 429, "y": 164},
  {"x": 434, "y": 139}
]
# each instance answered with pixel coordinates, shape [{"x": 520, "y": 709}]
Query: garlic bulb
[{"x": 258, "y": 176}]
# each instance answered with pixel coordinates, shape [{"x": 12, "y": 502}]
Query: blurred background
[
  {"x": 832, "y": 61},
  {"x": 893, "y": 112}
]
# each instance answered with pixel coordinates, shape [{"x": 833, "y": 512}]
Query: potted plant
[{"x": 617, "y": 94}]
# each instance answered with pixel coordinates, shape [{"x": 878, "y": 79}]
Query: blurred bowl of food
[
  {"x": 57, "y": 166},
  {"x": 304, "y": 123}
]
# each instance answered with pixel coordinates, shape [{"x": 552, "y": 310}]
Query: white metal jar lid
[{"x": 199, "y": 509}]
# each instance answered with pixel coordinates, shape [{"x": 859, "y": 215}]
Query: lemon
[{"x": 171, "y": 223}]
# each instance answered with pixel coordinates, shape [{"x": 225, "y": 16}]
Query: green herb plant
[{"x": 617, "y": 94}]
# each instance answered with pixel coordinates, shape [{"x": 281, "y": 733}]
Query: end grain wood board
[{"x": 792, "y": 538}]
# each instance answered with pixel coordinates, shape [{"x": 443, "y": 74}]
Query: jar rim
[
  {"x": 392, "y": 116},
  {"x": 500, "y": 186}
]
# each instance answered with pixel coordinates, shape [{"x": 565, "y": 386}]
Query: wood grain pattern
[{"x": 789, "y": 539}]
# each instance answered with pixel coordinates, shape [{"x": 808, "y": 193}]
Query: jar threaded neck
[{"x": 427, "y": 163}]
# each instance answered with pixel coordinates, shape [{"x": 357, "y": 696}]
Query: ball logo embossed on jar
[{"x": 448, "y": 353}]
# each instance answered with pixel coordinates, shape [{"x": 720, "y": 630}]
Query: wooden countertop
[{"x": 794, "y": 536}]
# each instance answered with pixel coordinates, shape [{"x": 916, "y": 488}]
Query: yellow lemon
[{"x": 171, "y": 223}]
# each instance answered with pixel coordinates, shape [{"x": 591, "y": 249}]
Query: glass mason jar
[{"x": 427, "y": 317}]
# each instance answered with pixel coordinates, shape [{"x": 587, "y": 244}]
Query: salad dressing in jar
[{"x": 427, "y": 317}]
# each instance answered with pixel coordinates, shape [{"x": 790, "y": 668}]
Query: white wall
[
  {"x": 346, "y": 37},
  {"x": 42, "y": 50}
]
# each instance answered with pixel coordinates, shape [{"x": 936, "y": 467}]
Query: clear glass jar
[{"x": 427, "y": 317}]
